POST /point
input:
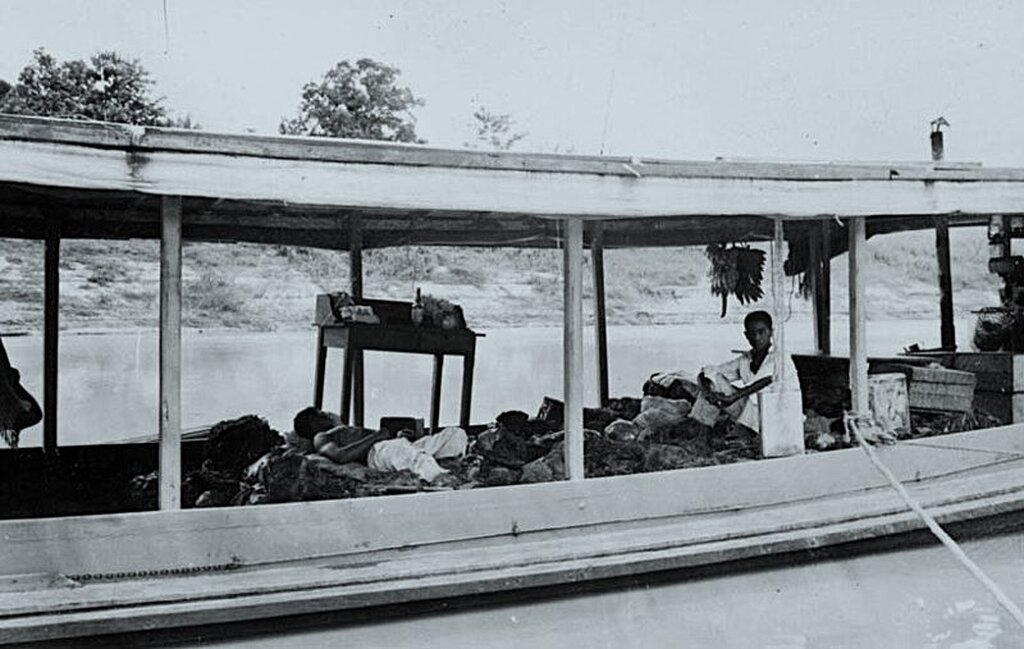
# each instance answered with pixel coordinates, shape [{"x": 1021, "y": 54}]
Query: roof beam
[{"x": 360, "y": 186}]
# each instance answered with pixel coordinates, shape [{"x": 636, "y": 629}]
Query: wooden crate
[
  {"x": 938, "y": 389},
  {"x": 1000, "y": 383}
]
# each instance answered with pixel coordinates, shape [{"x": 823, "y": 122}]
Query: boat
[{"x": 70, "y": 576}]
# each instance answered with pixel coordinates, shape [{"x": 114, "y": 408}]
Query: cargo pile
[{"x": 246, "y": 462}]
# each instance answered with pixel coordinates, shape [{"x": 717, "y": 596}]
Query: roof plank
[
  {"x": 148, "y": 139},
  {"x": 458, "y": 190}
]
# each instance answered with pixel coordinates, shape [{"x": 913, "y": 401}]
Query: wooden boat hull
[{"x": 132, "y": 572}]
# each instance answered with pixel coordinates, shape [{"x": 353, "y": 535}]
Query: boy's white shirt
[{"x": 737, "y": 373}]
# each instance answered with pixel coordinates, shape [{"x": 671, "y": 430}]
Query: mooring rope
[{"x": 933, "y": 525}]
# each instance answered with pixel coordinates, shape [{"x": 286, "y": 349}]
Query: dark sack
[{"x": 18, "y": 409}]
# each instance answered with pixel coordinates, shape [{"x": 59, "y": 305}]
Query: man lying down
[
  {"x": 731, "y": 388},
  {"x": 323, "y": 432}
]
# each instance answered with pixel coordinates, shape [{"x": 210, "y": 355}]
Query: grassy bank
[{"x": 113, "y": 284}]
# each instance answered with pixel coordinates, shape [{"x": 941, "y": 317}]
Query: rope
[{"x": 933, "y": 525}]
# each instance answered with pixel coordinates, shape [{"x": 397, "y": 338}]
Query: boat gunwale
[{"x": 227, "y": 607}]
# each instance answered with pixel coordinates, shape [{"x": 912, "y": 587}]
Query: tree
[
  {"x": 494, "y": 130},
  {"x": 4, "y": 88},
  {"x": 357, "y": 101},
  {"x": 107, "y": 87}
]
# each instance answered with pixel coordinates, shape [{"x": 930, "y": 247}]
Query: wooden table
[{"x": 357, "y": 337}]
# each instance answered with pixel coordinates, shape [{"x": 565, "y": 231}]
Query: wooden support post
[
  {"x": 321, "y": 370},
  {"x": 355, "y": 252},
  {"x": 823, "y": 294},
  {"x": 600, "y": 323},
  {"x": 947, "y": 326},
  {"x": 51, "y": 332},
  {"x": 817, "y": 276},
  {"x": 812, "y": 276},
  {"x": 170, "y": 353},
  {"x": 779, "y": 307},
  {"x": 346, "y": 383},
  {"x": 435, "y": 394},
  {"x": 573, "y": 347},
  {"x": 467, "y": 388},
  {"x": 858, "y": 318}
]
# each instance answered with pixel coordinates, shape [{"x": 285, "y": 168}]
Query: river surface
[
  {"x": 918, "y": 598},
  {"x": 108, "y": 385}
]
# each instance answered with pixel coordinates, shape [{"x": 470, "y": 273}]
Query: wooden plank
[
  {"x": 153, "y": 604},
  {"x": 947, "y": 327},
  {"x": 60, "y": 130},
  {"x": 572, "y": 349},
  {"x": 396, "y": 338},
  {"x": 156, "y": 140},
  {"x": 170, "y": 354},
  {"x": 600, "y": 315},
  {"x": 51, "y": 332},
  {"x": 123, "y": 214},
  {"x": 550, "y": 195},
  {"x": 529, "y": 550},
  {"x": 858, "y": 317}
]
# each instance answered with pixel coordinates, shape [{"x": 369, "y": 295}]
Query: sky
[{"x": 687, "y": 80}]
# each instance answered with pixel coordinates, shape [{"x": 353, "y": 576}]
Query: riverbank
[{"x": 109, "y": 286}]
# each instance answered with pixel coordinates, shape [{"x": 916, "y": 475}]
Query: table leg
[
  {"x": 346, "y": 384},
  {"x": 357, "y": 389},
  {"x": 435, "y": 394},
  {"x": 321, "y": 367},
  {"x": 467, "y": 389}
]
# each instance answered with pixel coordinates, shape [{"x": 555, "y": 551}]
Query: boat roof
[{"x": 105, "y": 180}]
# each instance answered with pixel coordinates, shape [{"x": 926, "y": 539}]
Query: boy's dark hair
[
  {"x": 310, "y": 421},
  {"x": 758, "y": 316}
]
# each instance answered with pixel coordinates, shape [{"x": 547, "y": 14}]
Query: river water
[
  {"x": 908, "y": 599},
  {"x": 108, "y": 383}
]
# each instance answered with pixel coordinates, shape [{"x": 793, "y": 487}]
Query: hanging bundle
[{"x": 736, "y": 270}]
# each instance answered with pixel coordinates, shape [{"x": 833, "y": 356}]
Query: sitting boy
[{"x": 732, "y": 386}]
